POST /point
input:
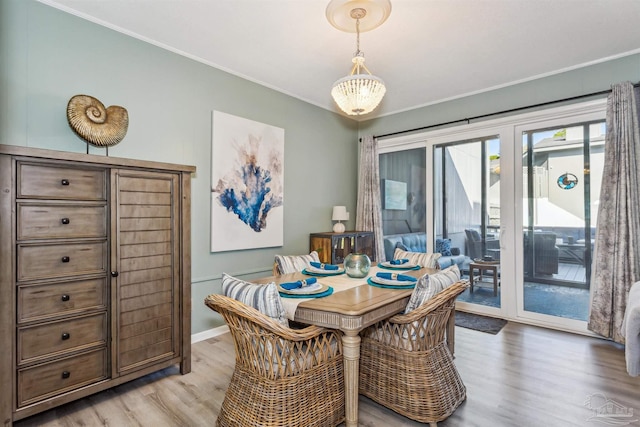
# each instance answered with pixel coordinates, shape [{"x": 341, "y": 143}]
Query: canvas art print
[
  {"x": 395, "y": 195},
  {"x": 247, "y": 184}
]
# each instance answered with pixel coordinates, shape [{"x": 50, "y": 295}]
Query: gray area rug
[{"x": 490, "y": 325}]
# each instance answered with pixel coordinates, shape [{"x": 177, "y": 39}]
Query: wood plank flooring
[{"x": 523, "y": 376}]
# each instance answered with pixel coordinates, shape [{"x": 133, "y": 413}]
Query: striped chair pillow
[
  {"x": 430, "y": 284},
  {"x": 292, "y": 263},
  {"x": 429, "y": 260},
  {"x": 264, "y": 298}
]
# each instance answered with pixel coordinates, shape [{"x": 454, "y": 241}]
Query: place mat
[
  {"x": 313, "y": 289},
  {"x": 318, "y": 272},
  {"x": 390, "y": 284},
  {"x": 326, "y": 293},
  {"x": 406, "y": 266}
]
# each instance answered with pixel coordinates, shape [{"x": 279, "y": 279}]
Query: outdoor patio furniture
[
  {"x": 282, "y": 377},
  {"x": 477, "y": 248},
  {"x": 543, "y": 258},
  {"x": 405, "y": 363},
  {"x": 483, "y": 267}
]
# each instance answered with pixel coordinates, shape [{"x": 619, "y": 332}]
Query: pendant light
[{"x": 360, "y": 92}]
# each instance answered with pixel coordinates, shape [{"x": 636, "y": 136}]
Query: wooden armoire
[{"x": 95, "y": 274}]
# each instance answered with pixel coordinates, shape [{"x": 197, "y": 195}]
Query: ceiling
[{"x": 427, "y": 51}]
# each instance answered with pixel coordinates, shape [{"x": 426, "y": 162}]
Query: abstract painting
[
  {"x": 247, "y": 184},
  {"x": 395, "y": 195}
]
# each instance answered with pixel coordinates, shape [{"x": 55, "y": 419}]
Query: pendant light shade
[{"x": 360, "y": 92}]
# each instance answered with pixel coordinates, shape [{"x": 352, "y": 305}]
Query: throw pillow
[
  {"x": 292, "y": 263},
  {"x": 422, "y": 259},
  {"x": 264, "y": 298},
  {"x": 430, "y": 284},
  {"x": 443, "y": 246}
]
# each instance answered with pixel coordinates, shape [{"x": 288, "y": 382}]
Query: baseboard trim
[{"x": 204, "y": 335}]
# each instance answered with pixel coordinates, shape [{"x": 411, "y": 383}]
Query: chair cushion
[
  {"x": 264, "y": 298},
  {"x": 423, "y": 259},
  {"x": 430, "y": 284},
  {"x": 443, "y": 246},
  {"x": 473, "y": 234},
  {"x": 292, "y": 263}
]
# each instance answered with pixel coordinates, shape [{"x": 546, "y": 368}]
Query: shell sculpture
[{"x": 99, "y": 126}]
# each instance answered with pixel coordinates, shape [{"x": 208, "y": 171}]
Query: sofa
[{"x": 417, "y": 242}]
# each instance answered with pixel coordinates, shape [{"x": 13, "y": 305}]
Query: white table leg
[{"x": 351, "y": 352}]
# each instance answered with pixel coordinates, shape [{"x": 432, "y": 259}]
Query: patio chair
[
  {"x": 477, "y": 248},
  {"x": 545, "y": 257},
  {"x": 406, "y": 365},
  {"x": 285, "y": 264},
  {"x": 282, "y": 377}
]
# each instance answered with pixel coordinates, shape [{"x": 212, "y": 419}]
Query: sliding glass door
[
  {"x": 466, "y": 183},
  {"x": 517, "y": 198},
  {"x": 562, "y": 172}
]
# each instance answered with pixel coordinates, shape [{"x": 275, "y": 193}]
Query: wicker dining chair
[
  {"x": 282, "y": 376},
  {"x": 406, "y": 365}
]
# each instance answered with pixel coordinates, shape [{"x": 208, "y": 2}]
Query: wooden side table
[{"x": 483, "y": 266}]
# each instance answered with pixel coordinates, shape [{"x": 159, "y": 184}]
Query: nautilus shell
[{"x": 99, "y": 126}]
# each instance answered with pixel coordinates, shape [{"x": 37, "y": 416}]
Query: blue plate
[
  {"x": 326, "y": 273},
  {"x": 326, "y": 293},
  {"x": 399, "y": 266},
  {"x": 409, "y": 285}
]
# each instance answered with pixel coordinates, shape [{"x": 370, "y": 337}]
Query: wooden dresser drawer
[
  {"x": 49, "y": 221},
  {"x": 52, "y": 182},
  {"x": 57, "y": 337},
  {"x": 36, "y": 302},
  {"x": 40, "y": 382},
  {"x": 61, "y": 260}
]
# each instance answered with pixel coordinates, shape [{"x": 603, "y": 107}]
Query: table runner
[{"x": 339, "y": 283}]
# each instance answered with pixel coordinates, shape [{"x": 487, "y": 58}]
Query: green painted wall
[{"x": 47, "y": 56}]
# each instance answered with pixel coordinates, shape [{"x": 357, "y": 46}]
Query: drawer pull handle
[
  {"x": 65, "y": 221},
  {"x": 66, "y": 259},
  {"x": 114, "y": 274},
  {"x": 66, "y": 374},
  {"x": 65, "y": 336},
  {"x": 64, "y": 182},
  {"x": 65, "y": 297}
]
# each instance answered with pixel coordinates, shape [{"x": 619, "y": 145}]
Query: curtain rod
[{"x": 512, "y": 110}]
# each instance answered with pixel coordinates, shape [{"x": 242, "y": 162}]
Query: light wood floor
[{"x": 524, "y": 376}]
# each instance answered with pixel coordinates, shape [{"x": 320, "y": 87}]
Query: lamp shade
[
  {"x": 358, "y": 93},
  {"x": 340, "y": 213}
]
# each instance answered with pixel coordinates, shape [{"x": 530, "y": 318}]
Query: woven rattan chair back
[
  {"x": 282, "y": 376},
  {"x": 405, "y": 363}
]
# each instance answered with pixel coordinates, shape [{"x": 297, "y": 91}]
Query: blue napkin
[
  {"x": 399, "y": 261},
  {"x": 299, "y": 284},
  {"x": 324, "y": 266},
  {"x": 398, "y": 277}
]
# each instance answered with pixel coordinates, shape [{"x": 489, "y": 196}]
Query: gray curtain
[
  {"x": 616, "y": 264},
  {"x": 369, "y": 207}
]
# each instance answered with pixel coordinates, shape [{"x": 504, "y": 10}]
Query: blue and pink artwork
[{"x": 247, "y": 180}]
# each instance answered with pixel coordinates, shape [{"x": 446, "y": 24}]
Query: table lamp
[{"x": 339, "y": 214}]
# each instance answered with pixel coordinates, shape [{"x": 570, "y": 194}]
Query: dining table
[{"x": 354, "y": 305}]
